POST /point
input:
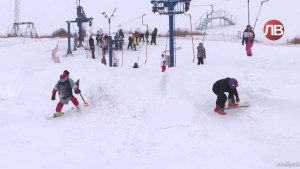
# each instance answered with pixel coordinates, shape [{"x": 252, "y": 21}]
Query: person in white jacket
[{"x": 163, "y": 63}]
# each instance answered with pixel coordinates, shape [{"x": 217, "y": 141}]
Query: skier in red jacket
[{"x": 64, "y": 87}]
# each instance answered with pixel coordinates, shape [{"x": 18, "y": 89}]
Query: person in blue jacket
[{"x": 248, "y": 38}]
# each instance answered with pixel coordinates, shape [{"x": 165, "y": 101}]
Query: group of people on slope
[
  {"x": 102, "y": 41},
  {"x": 220, "y": 87},
  {"x": 248, "y": 38}
]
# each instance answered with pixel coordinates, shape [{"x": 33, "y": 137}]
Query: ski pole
[{"x": 85, "y": 103}]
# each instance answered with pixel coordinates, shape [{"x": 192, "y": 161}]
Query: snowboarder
[
  {"x": 64, "y": 87},
  {"x": 201, "y": 54},
  {"x": 219, "y": 88},
  {"x": 163, "y": 63},
  {"x": 92, "y": 46},
  {"x": 248, "y": 38}
]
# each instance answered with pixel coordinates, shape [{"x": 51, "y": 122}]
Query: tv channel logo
[{"x": 273, "y": 29}]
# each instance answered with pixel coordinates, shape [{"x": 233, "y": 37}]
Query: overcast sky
[{"x": 50, "y": 15}]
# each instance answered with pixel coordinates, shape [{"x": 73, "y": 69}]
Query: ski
[{"x": 54, "y": 116}]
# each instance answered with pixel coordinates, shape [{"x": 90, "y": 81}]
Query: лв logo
[{"x": 273, "y": 29}]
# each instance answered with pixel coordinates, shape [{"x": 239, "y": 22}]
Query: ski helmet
[
  {"x": 233, "y": 83},
  {"x": 66, "y": 72}
]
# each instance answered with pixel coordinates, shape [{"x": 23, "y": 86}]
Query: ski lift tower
[
  {"x": 81, "y": 18},
  {"x": 16, "y": 31},
  {"x": 171, "y": 7}
]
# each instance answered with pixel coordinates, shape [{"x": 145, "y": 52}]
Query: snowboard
[{"x": 235, "y": 107}]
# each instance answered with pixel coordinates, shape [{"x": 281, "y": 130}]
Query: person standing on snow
[
  {"x": 153, "y": 36},
  {"x": 134, "y": 42},
  {"x": 219, "y": 88},
  {"x": 121, "y": 34},
  {"x": 92, "y": 46},
  {"x": 64, "y": 87},
  {"x": 163, "y": 63},
  {"x": 147, "y": 36},
  {"x": 98, "y": 38},
  {"x": 137, "y": 35},
  {"x": 130, "y": 40},
  {"x": 201, "y": 54},
  {"x": 248, "y": 38}
]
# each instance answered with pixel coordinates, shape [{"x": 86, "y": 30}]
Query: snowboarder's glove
[
  {"x": 77, "y": 90},
  {"x": 53, "y": 97},
  {"x": 237, "y": 99}
]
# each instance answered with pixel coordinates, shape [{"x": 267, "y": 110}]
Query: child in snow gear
[
  {"x": 163, "y": 63},
  {"x": 64, "y": 87},
  {"x": 201, "y": 54},
  {"x": 219, "y": 88},
  {"x": 248, "y": 37},
  {"x": 92, "y": 46}
]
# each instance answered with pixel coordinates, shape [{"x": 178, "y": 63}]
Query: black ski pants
[
  {"x": 200, "y": 60},
  {"x": 222, "y": 98}
]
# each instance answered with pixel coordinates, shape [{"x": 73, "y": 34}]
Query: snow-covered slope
[{"x": 143, "y": 118}]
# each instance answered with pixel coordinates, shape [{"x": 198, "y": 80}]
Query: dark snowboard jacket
[
  {"x": 222, "y": 86},
  {"x": 154, "y": 33}
]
